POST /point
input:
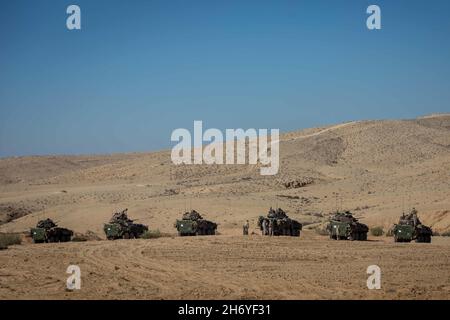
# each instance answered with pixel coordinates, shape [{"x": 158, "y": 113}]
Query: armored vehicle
[
  {"x": 122, "y": 227},
  {"x": 279, "y": 224},
  {"x": 193, "y": 224},
  {"x": 48, "y": 231},
  {"x": 410, "y": 228},
  {"x": 343, "y": 226}
]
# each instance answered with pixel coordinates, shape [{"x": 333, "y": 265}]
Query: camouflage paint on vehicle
[
  {"x": 48, "y": 231},
  {"x": 411, "y": 228},
  {"x": 343, "y": 226},
  {"x": 122, "y": 227},
  {"x": 281, "y": 224},
  {"x": 193, "y": 224}
]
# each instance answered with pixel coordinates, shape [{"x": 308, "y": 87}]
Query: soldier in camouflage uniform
[
  {"x": 270, "y": 227},
  {"x": 265, "y": 227},
  {"x": 245, "y": 228}
]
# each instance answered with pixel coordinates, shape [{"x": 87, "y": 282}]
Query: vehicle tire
[{"x": 126, "y": 235}]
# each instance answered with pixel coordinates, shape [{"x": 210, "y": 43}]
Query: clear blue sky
[{"x": 139, "y": 69}]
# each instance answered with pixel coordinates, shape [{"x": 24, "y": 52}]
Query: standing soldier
[
  {"x": 270, "y": 227},
  {"x": 264, "y": 225},
  {"x": 245, "y": 228},
  {"x": 414, "y": 216}
]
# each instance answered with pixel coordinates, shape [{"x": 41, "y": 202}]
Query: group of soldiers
[
  {"x": 411, "y": 218},
  {"x": 267, "y": 228}
]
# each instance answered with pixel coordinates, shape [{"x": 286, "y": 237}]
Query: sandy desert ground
[
  {"x": 228, "y": 267},
  {"x": 373, "y": 168}
]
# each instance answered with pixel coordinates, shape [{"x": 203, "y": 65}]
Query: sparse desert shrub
[
  {"x": 79, "y": 238},
  {"x": 376, "y": 231},
  {"x": 445, "y": 234},
  {"x": 151, "y": 234},
  {"x": 321, "y": 230},
  {"x": 7, "y": 239},
  {"x": 87, "y": 236}
]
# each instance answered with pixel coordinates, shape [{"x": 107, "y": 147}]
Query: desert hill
[{"x": 374, "y": 168}]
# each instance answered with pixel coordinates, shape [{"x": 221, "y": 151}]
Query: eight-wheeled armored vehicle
[
  {"x": 277, "y": 223},
  {"x": 122, "y": 227},
  {"x": 193, "y": 224},
  {"x": 48, "y": 231},
  {"x": 343, "y": 226},
  {"x": 410, "y": 228}
]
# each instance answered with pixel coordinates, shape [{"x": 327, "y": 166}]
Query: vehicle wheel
[{"x": 126, "y": 235}]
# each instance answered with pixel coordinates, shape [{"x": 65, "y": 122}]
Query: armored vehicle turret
[
  {"x": 277, "y": 223},
  {"x": 122, "y": 227},
  {"x": 193, "y": 224},
  {"x": 410, "y": 228},
  {"x": 48, "y": 231},
  {"x": 343, "y": 226}
]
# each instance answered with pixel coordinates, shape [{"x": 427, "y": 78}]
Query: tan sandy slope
[{"x": 375, "y": 168}]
